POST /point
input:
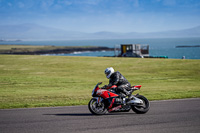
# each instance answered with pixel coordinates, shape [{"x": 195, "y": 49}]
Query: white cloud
[
  {"x": 46, "y": 4},
  {"x": 136, "y": 3},
  {"x": 65, "y": 2},
  {"x": 89, "y": 2},
  {"x": 169, "y": 2},
  {"x": 21, "y": 5},
  {"x": 9, "y": 4}
]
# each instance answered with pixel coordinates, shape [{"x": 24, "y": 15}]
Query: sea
[{"x": 157, "y": 46}]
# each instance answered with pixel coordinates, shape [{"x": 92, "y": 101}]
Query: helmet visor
[{"x": 107, "y": 73}]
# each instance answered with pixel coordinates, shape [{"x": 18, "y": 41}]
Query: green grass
[{"x": 38, "y": 81}]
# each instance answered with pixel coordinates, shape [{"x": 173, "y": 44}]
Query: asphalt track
[{"x": 173, "y": 116}]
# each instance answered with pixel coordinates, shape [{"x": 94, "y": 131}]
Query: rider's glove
[{"x": 104, "y": 87}]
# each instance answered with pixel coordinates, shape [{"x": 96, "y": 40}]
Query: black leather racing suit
[{"x": 121, "y": 82}]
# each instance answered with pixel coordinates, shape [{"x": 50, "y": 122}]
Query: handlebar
[{"x": 99, "y": 83}]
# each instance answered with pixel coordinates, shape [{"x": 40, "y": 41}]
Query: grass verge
[{"x": 38, "y": 81}]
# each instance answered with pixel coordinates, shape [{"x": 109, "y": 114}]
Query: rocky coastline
[
  {"x": 53, "y": 50},
  {"x": 187, "y": 46}
]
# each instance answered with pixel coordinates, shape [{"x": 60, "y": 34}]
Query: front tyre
[
  {"x": 96, "y": 108},
  {"x": 141, "y": 109}
]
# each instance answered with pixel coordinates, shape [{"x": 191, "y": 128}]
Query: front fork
[{"x": 98, "y": 100}]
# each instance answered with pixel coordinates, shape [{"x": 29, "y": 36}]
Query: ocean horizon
[{"x": 157, "y": 46}]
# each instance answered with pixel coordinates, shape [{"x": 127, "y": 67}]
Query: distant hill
[
  {"x": 192, "y": 32},
  {"x": 38, "y": 32}
]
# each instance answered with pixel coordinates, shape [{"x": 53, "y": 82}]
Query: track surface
[{"x": 175, "y": 116}]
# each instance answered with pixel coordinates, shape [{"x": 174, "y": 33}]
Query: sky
[{"x": 103, "y": 15}]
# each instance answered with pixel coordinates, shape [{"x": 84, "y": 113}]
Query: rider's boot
[{"x": 127, "y": 94}]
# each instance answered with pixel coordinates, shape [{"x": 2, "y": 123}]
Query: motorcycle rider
[{"x": 116, "y": 78}]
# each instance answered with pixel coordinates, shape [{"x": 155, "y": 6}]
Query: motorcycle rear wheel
[
  {"x": 95, "y": 108},
  {"x": 141, "y": 109}
]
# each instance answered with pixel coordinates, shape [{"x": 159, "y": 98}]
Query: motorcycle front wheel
[
  {"x": 96, "y": 108},
  {"x": 142, "y": 108}
]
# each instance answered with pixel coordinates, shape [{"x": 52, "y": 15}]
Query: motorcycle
[{"x": 107, "y": 100}]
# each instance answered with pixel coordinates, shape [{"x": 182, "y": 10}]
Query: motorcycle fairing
[
  {"x": 110, "y": 102},
  {"x": 136, "y": 87},
  {"x": 105, "y": 93}
]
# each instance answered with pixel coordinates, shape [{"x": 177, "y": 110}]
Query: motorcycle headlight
[{"x": 93, "y": 91}]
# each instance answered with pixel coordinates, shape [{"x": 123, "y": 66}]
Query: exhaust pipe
[{"x": 136, "y": 101}]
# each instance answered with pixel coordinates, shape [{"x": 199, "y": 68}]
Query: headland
[{"x": 38, "y": 50}]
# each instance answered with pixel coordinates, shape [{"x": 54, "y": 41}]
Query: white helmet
[{"x": 109, "y": 71}]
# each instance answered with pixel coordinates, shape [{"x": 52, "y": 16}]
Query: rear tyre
[
  {"x": 142, "y": 109},
  {"x": 95, "y": 108}
]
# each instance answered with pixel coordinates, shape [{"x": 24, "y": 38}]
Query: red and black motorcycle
[{"x": 107, "y": 100}]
